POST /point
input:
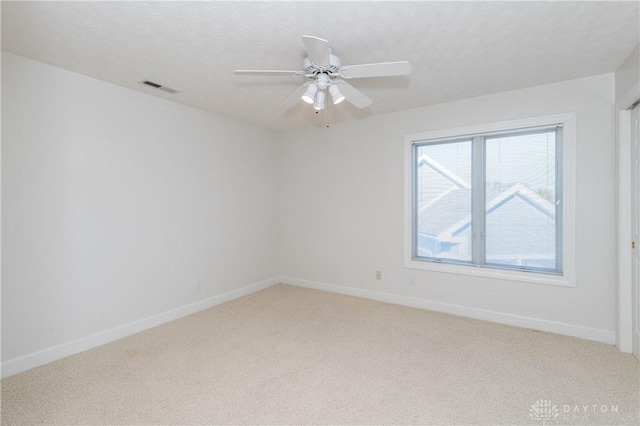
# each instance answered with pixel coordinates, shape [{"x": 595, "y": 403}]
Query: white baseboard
[
  {"x": 29, "y": 361},
  {"x": 26, "y": 362},
  {"x": 604, "y": 336}
]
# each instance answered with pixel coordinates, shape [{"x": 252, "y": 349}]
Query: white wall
[
  {"x": 341, "y": 211},
  {"x": 116, "y": 203}
]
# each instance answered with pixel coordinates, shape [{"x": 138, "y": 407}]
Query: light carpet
[{"x": 288, "y": 355}]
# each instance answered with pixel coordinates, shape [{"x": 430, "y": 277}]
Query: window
[{"x": 491, "y": 200}]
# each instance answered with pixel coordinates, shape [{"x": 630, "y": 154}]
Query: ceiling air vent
[{"x": 159, "y": 86}]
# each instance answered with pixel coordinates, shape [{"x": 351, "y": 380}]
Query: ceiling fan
[{"x": 327, "y": 74}]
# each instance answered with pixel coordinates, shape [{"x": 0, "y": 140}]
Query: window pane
[
  {"x": 520, "y": 200},
  {"x": 443, "y": 200}
]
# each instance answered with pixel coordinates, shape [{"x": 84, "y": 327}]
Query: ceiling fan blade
[
  {"x": 294, "y": 98},
  {"x": 353, "y": 95},
  {"x": 267, "y": 72},
  {"x": 383, "y": 69},
  {"x": 317, "y": 50}
]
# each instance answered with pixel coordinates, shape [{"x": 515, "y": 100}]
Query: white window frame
[{"x": 568, "y": 147}]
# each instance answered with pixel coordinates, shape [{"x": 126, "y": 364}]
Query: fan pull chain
[{"x": 327, "y": 115}]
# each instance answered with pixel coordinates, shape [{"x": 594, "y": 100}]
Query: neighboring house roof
[
  {"x": 441, "y": 181},
  {"x": 495, "y": 201},
  {"x": 520, "y": 224},
  {"x": 445, "y": 207},
  {"x": 425, "y": 160},
  {"x": 453, "y": 207}
]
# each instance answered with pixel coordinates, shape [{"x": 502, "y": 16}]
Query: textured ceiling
[{"x": 457, "y": 49}]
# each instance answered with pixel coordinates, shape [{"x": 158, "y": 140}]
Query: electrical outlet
[{"x": 378, "y": 275}]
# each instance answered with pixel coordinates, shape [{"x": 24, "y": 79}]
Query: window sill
[{"x": 486, "y": 272}]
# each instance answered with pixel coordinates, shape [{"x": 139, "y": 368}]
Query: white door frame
[
  {"x": 625, "y": 262},
  {"x": 635, "y": 282},
  {"x": 624, "y": 328}
]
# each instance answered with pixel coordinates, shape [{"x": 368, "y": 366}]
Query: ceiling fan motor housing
[{"x": 311, "y": 70}]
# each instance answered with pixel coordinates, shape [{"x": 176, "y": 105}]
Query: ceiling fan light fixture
[
  {"x": 310, "y": 94},
  {"x": 322, "y": 80},
  {"x": 336, "y": 94},
  {"x": 320, "y": 98}
]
